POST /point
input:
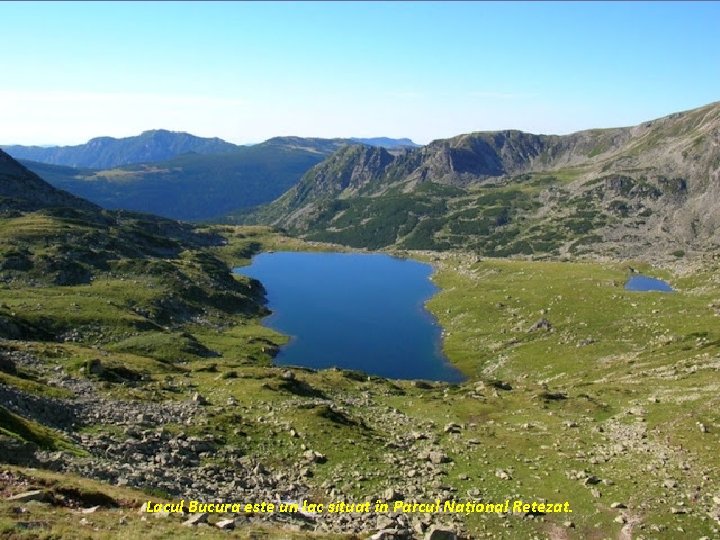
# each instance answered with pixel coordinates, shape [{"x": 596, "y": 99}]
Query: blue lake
[
  {"x": 353, "y": 311},
  {"x": 645, "y": 283}
]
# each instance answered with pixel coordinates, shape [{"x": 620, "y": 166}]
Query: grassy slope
[{"x": 652, "y": 363}]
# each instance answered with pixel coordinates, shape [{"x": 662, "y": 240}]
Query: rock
[
  {"x": 390, "y": 534},
  {"x": 569, "y": 524},
  {"x": 503, "y": 475},
  {"x": 437, "y": 457},
  {"x": 196, "y": 519},
  {"x": 200, "y": 400},
  {"x": 452, "y": 428},
  {"x": 314, "y": 457},
  {"x": 591, "y": 481},
  {"x": 439, "y": 533},
  {"x": 675, "y": 510},
  {"x": 226, "y": 524},
  {"x": 384, "y": 522},
  {"x": 542, "y": 324},
  {"x": 670, "y": 483},
  {"x": 7, "y": 365},
  {"x": 95, "y": 367},
  {"x": 90, "y": 510},
  {"x": 287, "y": 375},
  {"x": 391, "y": 494},
  {"x": 620, "y": 519},
  {"x": 27, "y": 496},
  {"x": 618, "y": 505}
]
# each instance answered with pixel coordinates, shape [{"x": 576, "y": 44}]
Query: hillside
[
  {"x": 22, "y": 190},
  {"x": 647, "y": 189},
  {"x": 109, "y": 152}
]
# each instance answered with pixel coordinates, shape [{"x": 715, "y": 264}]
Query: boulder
[
  {"x": 226, "y": 524},
  {"x": 27, "y": 496},
  {"x": 196, "y": 519},
  {"x": 439, "y": 533}
]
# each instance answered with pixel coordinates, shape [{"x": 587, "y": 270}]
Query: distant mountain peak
[
  {"x": 386, "y": 142},
  {"x": 109, "y": 152}
]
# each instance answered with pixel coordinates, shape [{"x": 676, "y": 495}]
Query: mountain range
[
  {"x": 181, "y": 176},
  {"x": 108, "y": 152},
  {"x": 651, "y": 188},
  {"x": 161, "y": 145}
]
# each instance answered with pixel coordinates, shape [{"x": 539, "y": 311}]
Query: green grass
[{"x": 26, "y": 430}]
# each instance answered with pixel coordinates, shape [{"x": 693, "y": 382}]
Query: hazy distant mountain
[
  {"x": 386, "y": 142},
  {"x": 190, "y": 186},
  {"x": 161, "y": 145},
  {"x": 108, "y": 152},
  {"x": 328, "y": 146},
  {"x": 193, "y": 185},
  {"x": 651, "y": 188}
]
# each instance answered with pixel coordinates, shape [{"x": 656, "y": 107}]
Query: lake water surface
[
  {"x": 645, "y": 283},
  {"x": 353, "y": 311}
]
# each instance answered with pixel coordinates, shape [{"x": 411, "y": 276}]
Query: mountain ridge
[
  {"x": 107, "y": 152},
  {"x": 659, "y": 180},
  {"x": 161, "y": 145}
]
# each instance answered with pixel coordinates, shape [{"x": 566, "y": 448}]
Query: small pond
[
  {"x": 353, "y": 311},
  {"x": 645, "y": 283}
]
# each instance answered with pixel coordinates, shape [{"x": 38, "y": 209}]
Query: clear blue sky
[{"x": 425, "y": 70}]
